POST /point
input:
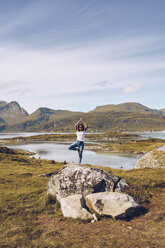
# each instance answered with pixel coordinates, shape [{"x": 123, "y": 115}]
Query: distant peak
[
  {"x": 14, "y": 103},
  {"x": 2, "y": 102},
  {"x": 126, "y": 107}
]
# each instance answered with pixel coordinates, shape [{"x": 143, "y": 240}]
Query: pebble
[{"x": 129, "y": 227}]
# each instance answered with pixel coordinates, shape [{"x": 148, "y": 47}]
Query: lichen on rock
[
  {"x": 74, "y": 206},
  {"x": 86, "y": 192},
  {"x": 74, "y": 179},
  {"x": 152, "y": 159},
  {"x": 112, "y": 204}
]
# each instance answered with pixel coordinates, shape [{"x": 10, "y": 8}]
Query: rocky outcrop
[
  {"x": 74, "y": 179},
  {"x": 152, "y": 159},
  {"x": 85, "y": 192},
  {"x": 74, "y": 206},
  {"x": 7, "y": 150},
  {"x": 114, "y": 204}
]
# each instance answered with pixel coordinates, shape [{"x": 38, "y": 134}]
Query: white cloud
[
  {"x": 131, "y": 88},
  {"x": 6, "y": 85},
  {"x": 13, "y": 88},
  {"x": 102, "y": 83},
  {"x": 64, "y": 71}
]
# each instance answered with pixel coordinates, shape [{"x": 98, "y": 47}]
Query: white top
[{"x": 80, "y": 135}]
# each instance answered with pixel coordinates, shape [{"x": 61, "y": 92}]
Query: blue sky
[{"x": 76, "y": 55}]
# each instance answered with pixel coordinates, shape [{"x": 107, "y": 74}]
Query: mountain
[
  {"x": 163, "y": 111},
  {"x": 44, "y": 119},
  {"x": 2, "y": 103},
  {"x": 126, "y": 107},
  {"x": 126, "y": 116},
  {"x": 45, "y": 112},
  {"x": 2, "y": 121},
  {"x": 125, "y": 121},
  {"x": 12, "y": 112}
]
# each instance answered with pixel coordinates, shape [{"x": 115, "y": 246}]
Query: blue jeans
[{"x": 75, "y": 146}]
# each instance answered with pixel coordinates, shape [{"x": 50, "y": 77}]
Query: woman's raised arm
[
  {"x": 85, "y": 125},
  {"x": 76, "y": 125}
]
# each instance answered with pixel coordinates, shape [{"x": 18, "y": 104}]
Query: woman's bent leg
[{"x": 74, "y": 146}]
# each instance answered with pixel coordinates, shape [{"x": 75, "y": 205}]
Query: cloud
[
  {"x": 56, "y": 71},
  {"x": 5, "y": 85},
  {"x": 14, "y": 88},
  {"x": 102, "y": 83},
  {"x": 77, "y": 68},
  {"x": 19, "y": 92},
  {"x": 131, "y": 88}
]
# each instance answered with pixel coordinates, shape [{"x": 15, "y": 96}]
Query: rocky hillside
[
  {"x": 126, "y": 116},
  {"x": 2, "y": 103},
  {"x": 127, "y": 107},
  {"x": 12, "y": 112},
  {"x": 45, "y": 119},
  {"x": 163, "y": 111}
]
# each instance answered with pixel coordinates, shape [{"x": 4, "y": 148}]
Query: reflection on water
[
  {"x": 42, "y": 152},
  {"x": 60, "y": 152}
]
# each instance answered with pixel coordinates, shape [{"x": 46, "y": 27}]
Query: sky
[{"x": 79, "y": 54}]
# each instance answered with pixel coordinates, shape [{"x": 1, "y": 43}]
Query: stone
[
  {"x": 48, "y": 174},
  {"x": 121, "y": 186},
  {"x": 7, "y": 150},
  {"x": 74, "y": 179},
  {"x": 114, "y": 204},
  {"x": 152, "y": 159},
  {"x": 74, "y": 206}
]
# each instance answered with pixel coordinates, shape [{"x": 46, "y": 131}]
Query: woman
[{"x": 81, "y": 128}]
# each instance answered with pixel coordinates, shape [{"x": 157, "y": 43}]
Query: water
[
  {"x": 155, "y": 134},
  {"x": 12, "y": 135},
  {"x": 60, "y": 152},
  {"x": 28, "y": 134}
]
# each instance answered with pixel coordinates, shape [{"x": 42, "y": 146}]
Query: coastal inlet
[{"x": 110, "y": 149}]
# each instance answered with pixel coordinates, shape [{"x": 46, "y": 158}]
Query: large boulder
[
  {"x": 74, "y": 179},
  {"x": 114, "y": 204},
  {"x": 152, "y": 159},
  {"x": 74, "y": 206}
]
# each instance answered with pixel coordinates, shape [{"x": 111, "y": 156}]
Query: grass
[
  {"x": 134, "y": 146},
  {"x": 31, "y": 218}
]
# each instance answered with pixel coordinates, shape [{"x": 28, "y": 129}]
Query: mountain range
[{"x": 129, "y": 116}]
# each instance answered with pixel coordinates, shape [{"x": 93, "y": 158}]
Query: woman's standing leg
[{"x": 81, "y": 147}]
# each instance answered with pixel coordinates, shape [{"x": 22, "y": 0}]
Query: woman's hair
[{"x": 82, "y": 129}]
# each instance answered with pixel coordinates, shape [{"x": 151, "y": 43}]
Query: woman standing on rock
[{"x": 81, "y": 128}]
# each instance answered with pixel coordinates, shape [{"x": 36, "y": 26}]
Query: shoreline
[{"x": 114, "y": 142}]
